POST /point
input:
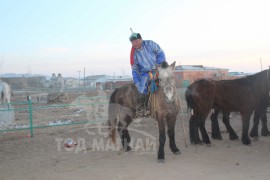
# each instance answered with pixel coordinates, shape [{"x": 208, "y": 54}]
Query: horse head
[
  {"x": 53, "y": 76},
  {"x": 166, "y": 80}
]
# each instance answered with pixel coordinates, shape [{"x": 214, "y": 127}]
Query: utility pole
[
  {"x": 79, "y": 78},
  {"x": 84, "y": 79}
]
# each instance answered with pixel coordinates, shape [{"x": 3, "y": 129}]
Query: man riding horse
[{"x": 144, "y": 56}]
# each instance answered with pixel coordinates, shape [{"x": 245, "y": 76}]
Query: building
[
  {"x": 104, "y": 82},
  {"x": 71, "y": 82},
  {"x": 236, "y": 75},
  {"x": 187, "y": 74}
]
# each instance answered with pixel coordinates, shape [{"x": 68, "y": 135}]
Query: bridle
[{"x": 172, "y": 86}]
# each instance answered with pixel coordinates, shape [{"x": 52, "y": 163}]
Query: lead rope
[
  {"x": 183, "y": 125},
  {"x": 154, "y": 106}
]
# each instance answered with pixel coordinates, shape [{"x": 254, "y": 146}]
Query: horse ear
[{"x": 172, "y": 65}]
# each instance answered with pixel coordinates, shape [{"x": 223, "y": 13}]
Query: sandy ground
[{"x": 94, "y": 157}]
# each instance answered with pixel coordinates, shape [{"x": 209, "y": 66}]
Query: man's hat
[{"x": 134, "y": 36}]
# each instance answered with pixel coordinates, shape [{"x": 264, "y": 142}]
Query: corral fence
[
  {"x": 27, "y": 113},
  {"x": 31, "y": 113}
]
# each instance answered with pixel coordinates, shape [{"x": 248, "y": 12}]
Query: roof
[
  {"x": 239, "y": 74},
  {"x": 104, "y": 78},
  {"x": 196, "y": 68},
  {"x": 94, "y": 77},
  {"x": 119, "y": 78}
]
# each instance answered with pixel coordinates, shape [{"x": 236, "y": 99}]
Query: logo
[{"x": 96, "y": 138}]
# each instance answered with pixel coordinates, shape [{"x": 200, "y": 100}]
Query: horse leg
[
  {"x": 226, "y": 122},
  {"x": 171, "y": 134},
  {"x": 215, "y": 126},
  {"x": 265, "y": 131},
  {"x": 205, "y": 136},
  {"x": 193, "y": 130},
  {"x": 123, "y": 132},
  {"x": 162, "y": 140},
  {"x": 256, "y": 120},
  {"x": 245, "y": 128},
  {"x": 8, "y": 100}
]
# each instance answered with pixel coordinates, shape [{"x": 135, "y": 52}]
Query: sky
[{"x": 76, "y": 36}]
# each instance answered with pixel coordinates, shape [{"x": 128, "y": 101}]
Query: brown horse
[
  {"x": 243, "y": 95},
  {"x": 164, "y": 108}
]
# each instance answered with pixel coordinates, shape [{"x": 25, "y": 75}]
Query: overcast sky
[{"x": 66, "y": 36}]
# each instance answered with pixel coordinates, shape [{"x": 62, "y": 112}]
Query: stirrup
[
  {"x": 143, "y": 111},
  {"x": 146, "y": 112},
  {"x": 140, "y": 112}
]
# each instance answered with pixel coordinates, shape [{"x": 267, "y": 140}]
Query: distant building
[
  {"x": 71, "y": 82},
  {"x": 236, "y": 75},
  {"x": 104, "y": 82},
  {"x": 25, "y": 82},
  {"x": 184, "y": 75},
  {"x": 187, "y": 74}
]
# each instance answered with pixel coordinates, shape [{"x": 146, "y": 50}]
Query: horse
[
  {"x": 60, "y": 82},
  {"x": 5, "y": 91},
  {"x": 164, "y": 107},
  {"x": 53, "y": 82},
  {"x": 243, "y": 95},
  {"x": 57, "y": 82}
]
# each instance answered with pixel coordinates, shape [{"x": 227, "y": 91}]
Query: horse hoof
[
  {"x": 196, "y": 142},
  {"x": 247, "y": 142},
  {"x": 265, "y": 133},
  {"x": 217, "y": 138},
  {"x": 177, "y": 152},
  {"x": 234, "y": 138},
  {"x": 128, "y": 148},
  {"x": 161, "y": 160},
  {"x": 252, "y": 134},
  {"x": 256, "y": 138}
]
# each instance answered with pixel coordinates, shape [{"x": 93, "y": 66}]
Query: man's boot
[
  {"x": 142, "y": 105},
  {"x": 147, "y": 110}
]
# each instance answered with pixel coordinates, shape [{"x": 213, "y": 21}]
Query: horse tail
[
  {"x": 189, "y": 99},
  {"x": 112, "y": 116},
  {"x": 112, "y": 97}
]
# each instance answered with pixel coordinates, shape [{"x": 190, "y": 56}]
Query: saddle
[{"x": 144, "y": 110}]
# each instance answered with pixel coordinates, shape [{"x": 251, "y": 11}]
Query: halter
[{"x": 171, "y": 86}]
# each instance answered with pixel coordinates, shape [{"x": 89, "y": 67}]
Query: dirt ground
[{"x": 44, "y": 156}]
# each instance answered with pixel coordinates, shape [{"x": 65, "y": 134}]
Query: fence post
[{"x": 30, "y": 115}]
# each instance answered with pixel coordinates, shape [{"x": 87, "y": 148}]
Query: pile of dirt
[{"x": 54, "y": 98}]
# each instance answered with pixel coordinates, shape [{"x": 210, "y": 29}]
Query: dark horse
[
  {"x": 164, "y": 108},
  {"x": 243, "y": 95}
]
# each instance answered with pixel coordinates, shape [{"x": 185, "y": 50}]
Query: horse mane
[
  {"x": 254, "y": 76},
  {"x": 164, "y": 65},
  {"x": 250, "y": 79}
]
